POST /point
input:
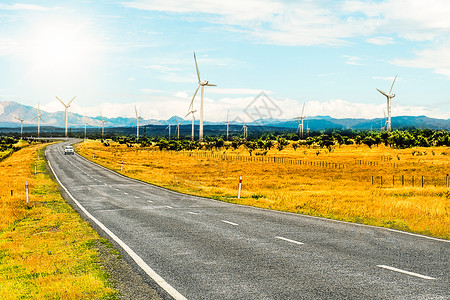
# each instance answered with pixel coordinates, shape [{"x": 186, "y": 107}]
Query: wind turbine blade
[
  {"x": 303, "y": 109},
  {"x": 135, "y": 109},
  {"x": 34, "y": 118},
  {"x": 382, "y": 92},
  {"x": 59, "y": 101},
  {"x": 192, "y": 102},
  {"x": 392, "y": 84},
  {"x": 196, "y": 67},
  {"x": 68, "y": 104},
  {"x": 228, "y": 112},
  {"x": 210, "y": 84}
]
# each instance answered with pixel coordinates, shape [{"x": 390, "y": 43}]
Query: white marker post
[
  {"x": 26, "y": 191},
  {"x": 447, "y": 180},
  {"x": 240, "y": 187},
  {"x": 35, "y": 169},
  {"x": 121, "y": 166},
  {"x": 93, "y": 155}
]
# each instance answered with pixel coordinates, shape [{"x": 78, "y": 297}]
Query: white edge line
[
  {"x": 231, "y": 223},
  {"x": 406, "y": 272},
  {"x": 139, "y": 261},
  {"x": 270, "y": 210},
  {"x": 168, "y": 206},
  {"x": 289, "y": 240}
]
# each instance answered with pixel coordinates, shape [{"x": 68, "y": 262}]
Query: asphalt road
[{"x": 205, "y": 249}]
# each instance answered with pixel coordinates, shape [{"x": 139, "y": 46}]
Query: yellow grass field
[
  {"x": 45, "y": 247},
  {"x": 353, "y": 183}
]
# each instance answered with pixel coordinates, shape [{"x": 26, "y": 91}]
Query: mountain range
[{"x": 9, "y": 111}]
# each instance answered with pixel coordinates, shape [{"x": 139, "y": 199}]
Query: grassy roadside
[
  {"x": 318, "y": 186},
  {"x": 46, "y": 249}
]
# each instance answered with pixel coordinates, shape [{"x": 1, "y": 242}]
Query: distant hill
[{"x": 10, "y": 110}]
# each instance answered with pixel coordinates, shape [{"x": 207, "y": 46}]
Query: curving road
[{"x": 199, "y": 248}]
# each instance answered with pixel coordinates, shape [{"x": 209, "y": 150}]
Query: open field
[
  {"x": 378, "y": 186},
  {"x": 46, "y": 249}
]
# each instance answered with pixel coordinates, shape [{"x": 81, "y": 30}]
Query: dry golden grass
[
  {"x": 335, "y": 184},
  {"x": 45, "y": 247}
]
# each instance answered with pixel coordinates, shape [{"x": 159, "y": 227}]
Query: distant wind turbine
[
  {"x": 201, "y": 84},
  {"x": 21, "y": 126},
  {"x": 193, "y": 120},
  {"x": 137, "y": 122},
  {"x": 300, "y": 124},
  {"x": 228, "y": 123},
  {"x": 178, "y": 129},
  {"x": 389, "y": 96},
  {"x": 39, "y": 119},
  {"x": 103, "y": 124},
  {"x": 85, "y": 123},
  {"x": 168, "y": 127},
  {"x": 66, "y": 111},
  {"x": 244, "y": 128}
]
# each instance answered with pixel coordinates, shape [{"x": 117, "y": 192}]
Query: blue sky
[{"x": 331, "y": 55}]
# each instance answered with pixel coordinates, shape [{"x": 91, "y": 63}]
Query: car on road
[{"x": 69, "y": 150}]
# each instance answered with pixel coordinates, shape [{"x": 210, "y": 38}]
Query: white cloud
[
  {"x": 238, "y": 91},
  {"x": 352, "y": 60},
  {"x": 380, "y": 40},
  {"x": 436, "y": 59}
]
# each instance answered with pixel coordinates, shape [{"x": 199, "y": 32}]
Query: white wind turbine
[
  {"x": 245, "y": 130},
  {"x": 389, "y": 96},
  {"x": 301, "y": 118},
  {"x": 228, "y": 123},
  {"x": 137, "y": 122},
  {"x": 201, "y": 84},
  {"x": 85, "y": 123},
  {"x": 39, "y": 119},
  {"x": 178, "y": 128},
  {"x": 168, "y": 127},
  {"x": 66, "y": 111},
  {"x": 193, "y": 120},
  {"x": 21, "y": 126},
  {"x": 103, "y": 124}
]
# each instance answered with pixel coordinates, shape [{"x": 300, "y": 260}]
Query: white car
[{"x": 69, "y": 150}]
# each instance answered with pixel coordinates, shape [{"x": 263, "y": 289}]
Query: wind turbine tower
[
  {"x": 66, "y": 111},
  {"x": 21, "y": 126},
  {"x": 193, "y": 120},
  {"x": 178, "y": 128},
  {"x": 168, "y": 127},
  {"x": 201, "y": 84},
  {"x": 228, "y": 123},
  {"x": 137, "y": 122},
  {"x": 85, "y": 123},
  {"x": 103, "y": 124},
  {"x": 245, "y": 130},
  {"x": 39, "y": 119},
  {"x": 300, "y": 121},
  {"x": 389, "y": 96}
]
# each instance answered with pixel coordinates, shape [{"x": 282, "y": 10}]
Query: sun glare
[{"x": 60, "y": 45}]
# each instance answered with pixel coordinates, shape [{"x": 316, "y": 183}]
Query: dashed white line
[
  {"x": 289, "y": 240},
  {"x": 228, "y": 222},
  {"x": 149, "y": 201},
  {"x": 406, "y": 272},
  {"x": 168, "y": 206},
  {"x": 125, "y": 193},
  {"x": 137, "y": 197},
  {"x": 192, "y": 213}
]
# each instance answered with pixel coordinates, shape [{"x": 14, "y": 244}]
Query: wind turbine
[
  {"x": 389, "y": 96},
  {"x": 193, "y": 120},
  {"x": 228, "y": 123},
  {"x": 245, "y": 130},
  {"x": 39, "y": 119},
  {"x": 137, "y": 122},
  {"x": 201, "y": 84},
  {"x": 66, "y": 111},
  {"x": 178, "y": 129},
  {"x": 168, "y": 126},
  {"x": 21, "y": 126},
  {"x": 85, "y": 123},
  {"x": 300, "y": 125},
  {"x": 103, "y": 124}
]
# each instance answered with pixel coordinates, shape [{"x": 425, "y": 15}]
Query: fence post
[
  {"x": 393, "y": 180},
  {"x": 26, "y": 191},
  {"x": 447, "y": 180},
  {"x": 240, "y": 186},
  {"x": 403, "y": 180},
  {"x": 381, "y": 180},
  {"x": 422, "y": 181},
  {"x": 412, "y": 181},
  {"x": 372, "y": 180},
  {"x": 121, "y": 166}
]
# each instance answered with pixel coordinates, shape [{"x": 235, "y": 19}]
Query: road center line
[
  {"x": 192, "y": 213},
  {"x": 231, "y": 223},
  {"x": 149, "y": 201},
  {"x": 168, "y": 206},
  {"x": 406, "y": 272},
  {"x": 137, "y": 197},
  {"x": 289, "y": 240}
]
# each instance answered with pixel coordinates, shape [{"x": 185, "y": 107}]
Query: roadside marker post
[
  {"x": 447, "y": 180},
  {"x": 121, "y": 166},
  {"x": 240, "y": 187},
  {"x": 35, "y": 169},
  {"x": 26, "y": 191}
]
